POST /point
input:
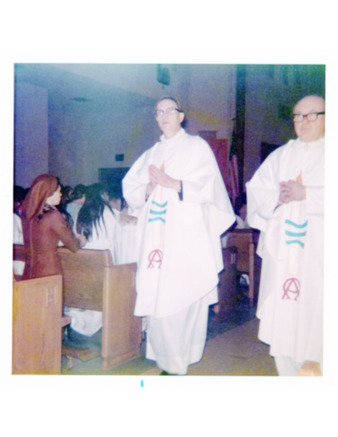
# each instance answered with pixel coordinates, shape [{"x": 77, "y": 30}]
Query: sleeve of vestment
[
  {"x": 203, "y": 183},
  {"x": 315, "y": 200},
  {"x": 136, "y": 181},
  {"x": 263, "y": 192},
  {"x": 110, "y": 225}
]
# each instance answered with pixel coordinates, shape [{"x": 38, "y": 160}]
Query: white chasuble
[
  {"x": 178, "y": 240},
  {"x": 290, "y": 304}
]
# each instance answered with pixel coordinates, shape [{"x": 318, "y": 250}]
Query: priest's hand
[
  {"x": 291, "y": 191},
  {"x": 158, "y": 176}
]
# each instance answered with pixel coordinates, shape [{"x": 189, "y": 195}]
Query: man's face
[
  {"x": 310, "y": 130},
  {"x": 168, "y": 119}
]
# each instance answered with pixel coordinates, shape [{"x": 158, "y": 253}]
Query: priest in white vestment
[
  {"x": 285, "y": 200},
  {"x": 178, "y": 194}
]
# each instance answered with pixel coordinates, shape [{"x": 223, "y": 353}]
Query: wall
[
  {"x": 81, "y": 143},
  {"x": 84, "y": 137},
  {"x": 206, "y": 91},
  {"x": 118, "y": 117},
  {"x": 271, "y": 92},
  {"x": 31, "y": 133},
  {"x": 212, "y": 99}
]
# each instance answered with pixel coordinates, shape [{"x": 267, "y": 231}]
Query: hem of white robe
[
  {"x": 265, "y": 334},
  {"x": 178, "y": 364},
  {"x": 194, "y": 356},
  {"x": 286, "y": 366},
  {"x": 277, "y": 352},
  {"x": 211, "y": 296}
]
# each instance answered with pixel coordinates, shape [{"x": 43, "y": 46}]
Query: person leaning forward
[{"x": 44, "y": 228}]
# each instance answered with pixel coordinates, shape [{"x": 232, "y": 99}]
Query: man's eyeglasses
[
  {"x": 168, "y": 111},
  {"x": 312, "y": 116}
]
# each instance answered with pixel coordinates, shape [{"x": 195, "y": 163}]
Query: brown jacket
[{"x": 41, "y": 238}]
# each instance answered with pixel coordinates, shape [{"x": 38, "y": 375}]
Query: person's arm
[{"x": 65, "y": 234}]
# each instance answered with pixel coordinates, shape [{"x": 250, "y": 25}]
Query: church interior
[{"x": 87, "y": 123}]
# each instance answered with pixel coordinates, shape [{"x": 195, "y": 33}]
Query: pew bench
[
  {"x": 227, "y": 286},
  {"x": 91, "y": 281},
  {"x": 37, "y": 326},
  {"x": 245, "y": 241}
]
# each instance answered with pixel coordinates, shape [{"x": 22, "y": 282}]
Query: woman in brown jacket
[{"x": 44, "y": 227}]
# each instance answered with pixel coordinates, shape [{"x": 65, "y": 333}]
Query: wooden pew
[
  {"x": 37, "y": 326},
  {"x": 227, "y": 284},
  {"x": 91, "y": 281},
  {"x": 246, "y": 240}
]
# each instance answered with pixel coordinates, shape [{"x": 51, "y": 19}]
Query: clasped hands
[
  {"x": 291, "y": 191},
  {"x": 157, "y": 176}
]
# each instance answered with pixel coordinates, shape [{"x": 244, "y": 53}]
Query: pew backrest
[
  {"x": 91, "y": 281},
  {"x": 37, "y": 323},
  {"x": 84, "y": 275}
]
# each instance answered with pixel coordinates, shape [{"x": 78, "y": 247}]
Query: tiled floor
[
  {"x": 232, "y": 348},
  {"x": 236, "y": 352}
]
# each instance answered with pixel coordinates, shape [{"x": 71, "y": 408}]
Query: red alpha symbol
[
  {"x": 291, "y": 285},
  {"x": 155, "y": 257}
]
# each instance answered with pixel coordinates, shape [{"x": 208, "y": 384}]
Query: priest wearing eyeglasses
[
  {"x": 177, "y": 191},
  {"x": 285, "y": 201}
]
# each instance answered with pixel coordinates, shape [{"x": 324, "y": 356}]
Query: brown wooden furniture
[
  {"x": 37, "y": 326},
  {"x": 227, "y": 283},
  {"x": 91, "y": 281},
  {"x": 245, "y": 241}
]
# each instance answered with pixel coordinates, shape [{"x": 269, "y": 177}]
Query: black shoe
[{"x": 164, "y": 373}]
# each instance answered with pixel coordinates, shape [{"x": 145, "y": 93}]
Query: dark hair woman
[
  {"x": 44, "y": 228},
  {"x": 96, "y": 220}
]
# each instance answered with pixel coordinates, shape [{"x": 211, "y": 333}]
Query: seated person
[
  {"x": 125, "y": 239},
  {"x": 19, "y": 196},
  {"x": 44, "y": 227},
  {"x": 77, "y": 199},
  {"x": 97, "y": 222},
  {"x": 66, "y": 192}
]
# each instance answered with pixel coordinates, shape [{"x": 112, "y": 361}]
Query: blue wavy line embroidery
[
  {"x": 163, "y": 212},
  {"x": 158, "y": 212},
  {"x": 289, "y": 222},
  {"x": 295, "y": 234},
  {"x": 163, "y": 205},
  {"x": 156, "y": 218},
  {"x": 295, "y": 242}
]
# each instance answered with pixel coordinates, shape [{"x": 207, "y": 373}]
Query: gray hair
[{"x": 172, "y": 99}]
